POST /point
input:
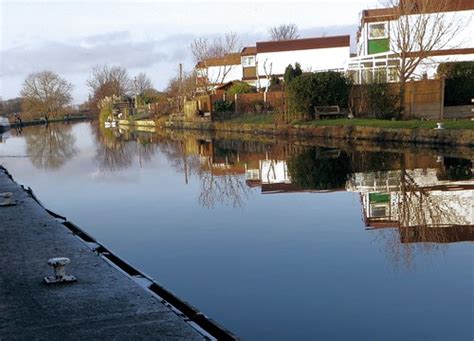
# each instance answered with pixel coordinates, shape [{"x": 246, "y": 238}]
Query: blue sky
[{"x": 70, "y": 37}]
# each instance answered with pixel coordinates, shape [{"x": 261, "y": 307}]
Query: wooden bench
[{"x": 327, "y": 111}]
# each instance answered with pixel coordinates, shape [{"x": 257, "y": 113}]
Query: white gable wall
[{"x": 215, "y": 73}]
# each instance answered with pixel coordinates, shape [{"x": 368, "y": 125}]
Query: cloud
[
  {"x": 74, "y": 58},
  {"x": 71, "y": 58}
]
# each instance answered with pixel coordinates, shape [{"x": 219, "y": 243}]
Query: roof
[
  {"x": 249, "y": 51},
  {"x": 227, "y": 59},
  {"x": 303, "y": 44},
  {"x": 378, "y": 14}
]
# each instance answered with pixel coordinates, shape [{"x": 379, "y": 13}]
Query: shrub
[
  {"x": 240, "y": 88},
  {"x": 317, "y": 89},
  {"x": 292, "y": 72},
  {"x": 223, "y": 106},
  {"x": 257, "y": 106},
  {"x": 383, "y": 103},
  {"x": 459, "y": 89}
]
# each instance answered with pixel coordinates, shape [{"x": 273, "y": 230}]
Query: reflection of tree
[
  {"x": 225, "y": 188},
  {"x": 316, "y": 168},
  {"x": 112, "y": 152},
  {"x": 50, "y": 146},
  {"x": 426, "y": 219}
]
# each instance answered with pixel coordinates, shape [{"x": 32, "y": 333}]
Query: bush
[
  {"x": 240, "y": 88},
  {"x": 317, "y": 89},
  {"x": 382, "y": 102},
  {"x": 223, "y": 106},
  {"x": 459, "y": 89},
  {"x": 292, "y": 72},
  {"x": 257, "y": 106}
]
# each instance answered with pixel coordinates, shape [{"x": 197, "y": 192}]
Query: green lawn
[{"x": 412, "y": 124}]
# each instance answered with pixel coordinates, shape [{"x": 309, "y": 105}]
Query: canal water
[{"x": 274, "y": 239}]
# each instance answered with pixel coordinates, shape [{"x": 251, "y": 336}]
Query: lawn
[{"x": 411, "y": 124}]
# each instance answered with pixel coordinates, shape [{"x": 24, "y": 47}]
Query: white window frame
[
  {"x": 385, "y": 36},
  {"x": 248, "y": 61}
]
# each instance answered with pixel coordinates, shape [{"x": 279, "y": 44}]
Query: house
[
  {"x": 376, "y": 38},
  {"x": 313, "y": 54},
  {"x": 213, "y": 72},
  {"x": 257, "y": 64}
]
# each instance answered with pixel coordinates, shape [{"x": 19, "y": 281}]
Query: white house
[
  {"x": 377, "y": 35},
  {"x": 270, "y": 58},
  {"x": 257, "y": 64},
  {"x": 213, "y": 72}
]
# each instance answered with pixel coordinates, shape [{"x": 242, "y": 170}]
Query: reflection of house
[
  {"x": 425, "y": 208},
  {"x": 377, "y": 35}
]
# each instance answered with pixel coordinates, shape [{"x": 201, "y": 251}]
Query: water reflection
[
  {"x": 319, "y": 224},
  {"x": 50, "y": 146},
  {"x": 413, "y": 201},
  {"x": 426, "y": 200}
]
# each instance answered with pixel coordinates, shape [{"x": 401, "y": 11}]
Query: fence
[
  {"x": 243, "y": 103},
  {"x": 423, "y": 99}
]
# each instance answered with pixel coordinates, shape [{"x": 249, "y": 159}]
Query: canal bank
[
  {"x": 42, "y": 121},
  {"x": 110, "y": 300},
  {"x": 449, "y": 137}
]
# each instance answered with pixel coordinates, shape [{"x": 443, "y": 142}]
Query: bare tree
[
  {"x": 45, "y": 93},
  {"x": 108, "y": 81},
  {"x": 267, "y": 68},
  {"x": 141, "y": 83},
  {"x": 419, "y": 28},
  {"x": 218, "y": 53},
  {"x": 284, "y": 32}
]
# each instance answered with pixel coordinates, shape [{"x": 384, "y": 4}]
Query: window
[
  {"x": 378, "y": 31},
  {"x": 248, "y": 61}
]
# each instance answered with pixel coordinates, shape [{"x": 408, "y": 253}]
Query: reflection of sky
[{"x": 286, "y": 266}]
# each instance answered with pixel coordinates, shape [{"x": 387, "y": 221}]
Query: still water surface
[{"x": 274, "y": 240}]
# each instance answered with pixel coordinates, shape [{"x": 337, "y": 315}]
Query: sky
[{"x": 71, "y": 37}]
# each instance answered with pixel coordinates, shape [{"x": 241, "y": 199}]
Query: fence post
[
  {"x": 441, "y": 102},
  {"x": 236, "y": 103}
]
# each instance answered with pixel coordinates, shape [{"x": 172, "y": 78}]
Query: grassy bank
[{"x": 411, "y": 124}]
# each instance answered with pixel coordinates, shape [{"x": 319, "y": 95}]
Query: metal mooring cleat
[{"x": 59, "y": 265}]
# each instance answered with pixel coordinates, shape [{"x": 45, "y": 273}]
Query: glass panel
[{"x": 378, "y": 31}]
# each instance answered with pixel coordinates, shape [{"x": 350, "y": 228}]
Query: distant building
[{"x": 376, "y": 48}]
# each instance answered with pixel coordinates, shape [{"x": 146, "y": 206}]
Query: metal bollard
[{"x": 59, "y": 266}]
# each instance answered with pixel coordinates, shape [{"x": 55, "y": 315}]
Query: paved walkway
[{"x": 103, "y": 304}]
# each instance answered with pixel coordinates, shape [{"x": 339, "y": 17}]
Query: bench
[{"x": 328, "y": 111}]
